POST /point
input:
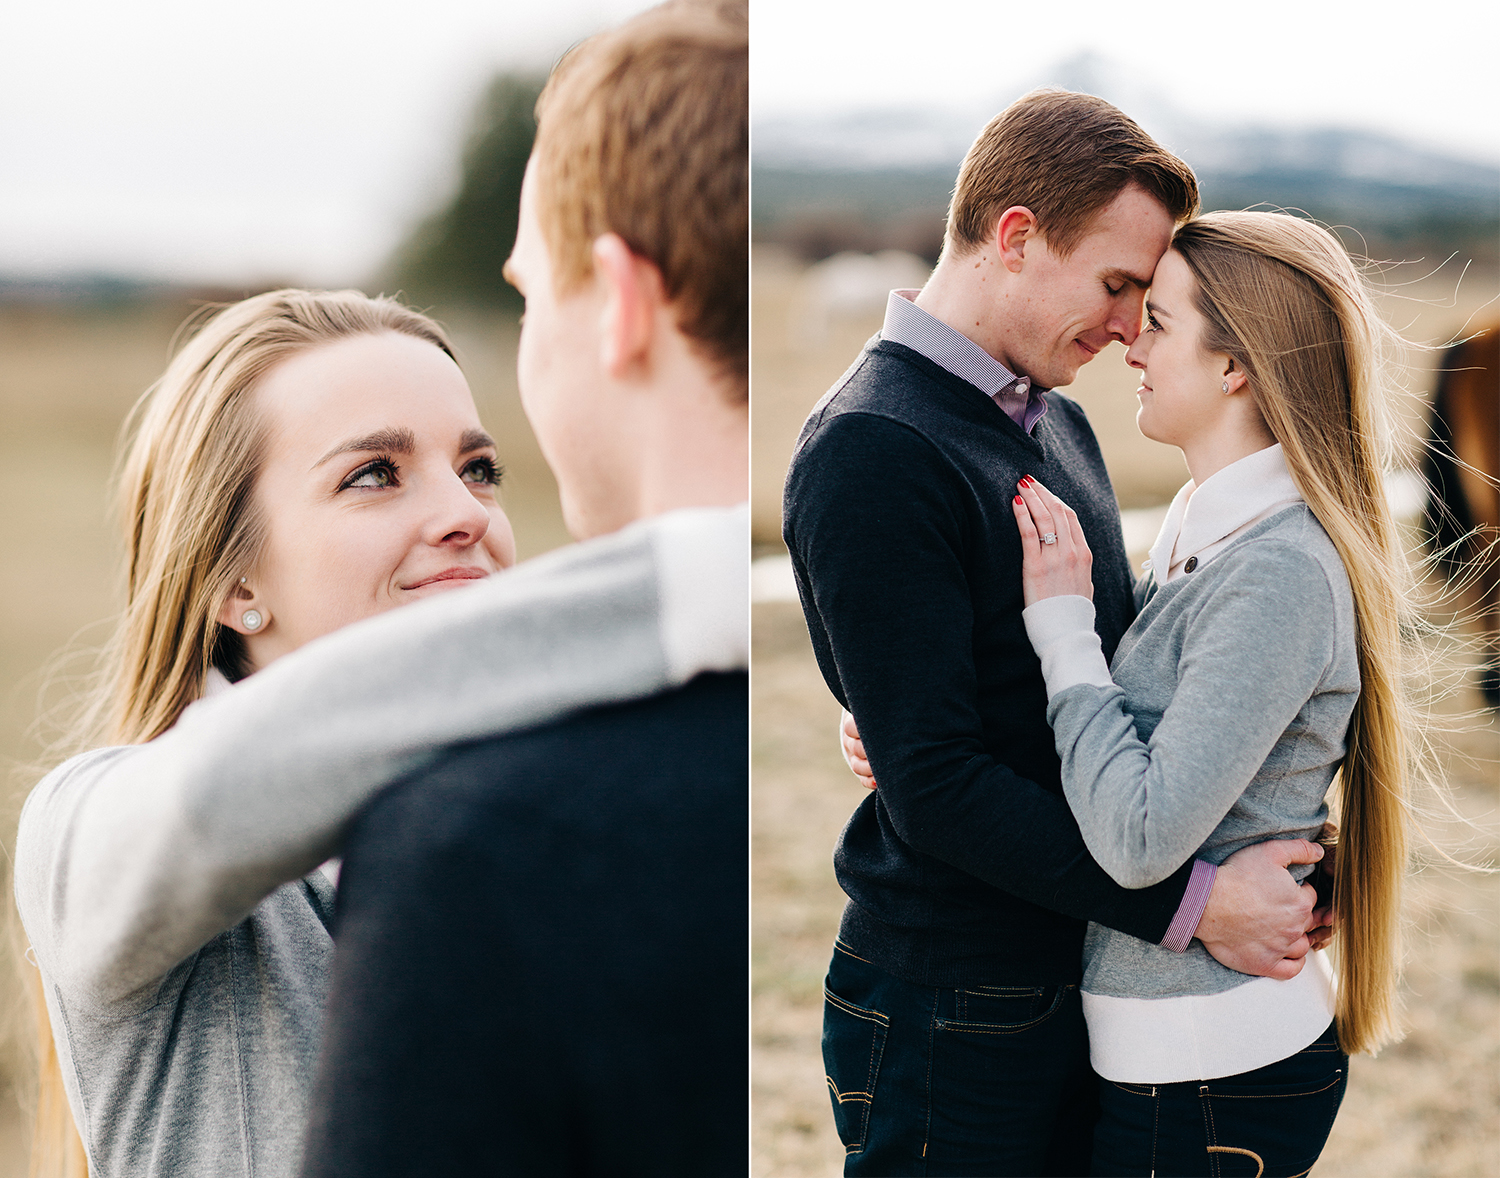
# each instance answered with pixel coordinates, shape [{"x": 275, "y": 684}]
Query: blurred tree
[{"x": 455, "y": 256}]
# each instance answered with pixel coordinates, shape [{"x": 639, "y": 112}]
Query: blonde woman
[
  {"x": 1262, "y": 671},
  {"x": 309, "y": 460}
]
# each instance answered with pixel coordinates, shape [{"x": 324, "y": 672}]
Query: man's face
[
  {"x": 1071, "y": 308},
  {"x": 558, "y": 372}
]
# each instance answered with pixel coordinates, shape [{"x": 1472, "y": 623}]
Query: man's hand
[
  {"x": 1258, "y": 917},
  {"x": 854, "y": 751}
]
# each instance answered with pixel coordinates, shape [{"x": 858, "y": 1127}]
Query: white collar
[
  {"x": 214, "y": 683},
  {"x": 1228, "y": 500}
]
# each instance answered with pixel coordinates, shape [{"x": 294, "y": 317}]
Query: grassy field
[
  {"x": 68, "y": 376},
  {"x": 1429, "y": 1106}
]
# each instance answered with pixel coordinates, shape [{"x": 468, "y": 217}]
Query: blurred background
[
  {"x": 159, "y": 155},
  {"x": 859, "y": 127}
]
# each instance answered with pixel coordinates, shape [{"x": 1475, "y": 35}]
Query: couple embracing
[
  {"x": 1081, "y": 934},
  {"x": 326, "y": 656}
]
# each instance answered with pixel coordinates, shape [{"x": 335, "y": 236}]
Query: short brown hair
[
  {"x": 644, "y": 131},
  {"x": 1064, "y": 156}
]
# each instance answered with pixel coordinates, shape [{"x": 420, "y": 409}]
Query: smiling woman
[
  {"x": 378, "y": 487},
  {"x": 309, "y": 460}
]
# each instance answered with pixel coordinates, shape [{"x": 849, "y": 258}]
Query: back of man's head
[
  {"x": 1064, "y": 156},
  {"x": 643, "y": 131}
]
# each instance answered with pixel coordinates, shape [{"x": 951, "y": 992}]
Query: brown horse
[{"x": 1463, "y": 471}]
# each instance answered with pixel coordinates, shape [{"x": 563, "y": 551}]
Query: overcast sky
[
  {"x": 212, "y": 142},
  {"x": 209, "y": 141},
  {"x": 1425, "y": 70}
]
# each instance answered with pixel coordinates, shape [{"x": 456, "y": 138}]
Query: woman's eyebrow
[
  {"x": 1156, "y": 309},
  {"x": 475, "y": 439},
  {"x": 397, "y": 441}
]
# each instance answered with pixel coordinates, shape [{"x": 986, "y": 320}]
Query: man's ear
[
  {"x": 1016, "y": 226},
  {"x": 634, "y": 295}
]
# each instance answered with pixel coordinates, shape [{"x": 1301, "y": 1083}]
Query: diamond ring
[{"x": 1049, "y": 537}]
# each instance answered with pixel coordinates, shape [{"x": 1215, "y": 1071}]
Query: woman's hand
[
  {"x": 1054, "y": 567},
  {"x": 1322, "y": 879},
  {"x": 854, "y": 751}
]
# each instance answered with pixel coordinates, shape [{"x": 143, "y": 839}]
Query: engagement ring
[{"x": 1049, "y": 537}]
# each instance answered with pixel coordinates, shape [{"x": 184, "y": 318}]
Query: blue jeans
[
  {"x": 984, "y": 1080},
  {"x": 1270, "y": 1123}
]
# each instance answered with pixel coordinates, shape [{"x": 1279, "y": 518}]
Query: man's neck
[
  {"x": 968, "y": 294},
  {"x": 698, "y": 457},
  {"x": 684, "y": 443}
]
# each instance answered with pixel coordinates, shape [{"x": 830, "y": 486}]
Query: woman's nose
[
  {"x": 1135, "y": 355},
  {"x": 458, "y": 517}
]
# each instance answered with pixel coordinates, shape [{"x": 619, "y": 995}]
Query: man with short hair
[
  {"x": 541, "y": 939},
  {"x": 953, "y": 1034}
]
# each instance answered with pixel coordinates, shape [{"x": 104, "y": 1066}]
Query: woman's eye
[
  {"x": 483, "y": 470},
  {"x": 1151, "y": 323},
  {"x": 377, "y": 474}
]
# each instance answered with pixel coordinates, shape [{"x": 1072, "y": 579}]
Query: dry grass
[{"x": 1429, "y": 1106}]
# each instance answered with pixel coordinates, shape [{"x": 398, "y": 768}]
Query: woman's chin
[{"x": 1144, "y": 424}]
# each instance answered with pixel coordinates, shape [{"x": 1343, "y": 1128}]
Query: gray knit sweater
[
  {"x": 1223, "y": 726},
  {"x": 184, "y": 974}
]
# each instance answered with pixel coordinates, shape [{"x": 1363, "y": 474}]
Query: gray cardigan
[
  {"x": 184, "y": 975},
  {"x": 1240, "y": 680}
]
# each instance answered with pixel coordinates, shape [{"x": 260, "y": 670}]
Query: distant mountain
[{"x": 882, "y": 178}]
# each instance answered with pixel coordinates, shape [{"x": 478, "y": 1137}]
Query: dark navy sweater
[
  {"x": 965, "y": 866},
  {"x": 541, "y": 955}
]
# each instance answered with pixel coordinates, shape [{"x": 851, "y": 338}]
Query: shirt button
[{"x": 1192, "y": 563}]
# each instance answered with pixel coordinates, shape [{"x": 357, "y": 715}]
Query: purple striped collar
[{"x": 952, "y": 351}]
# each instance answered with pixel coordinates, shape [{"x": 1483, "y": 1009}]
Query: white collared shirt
[{"x": 1203, "y": 521}]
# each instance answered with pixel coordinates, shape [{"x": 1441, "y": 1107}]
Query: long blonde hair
[
  {"x": 1282, "y": 297},
  {"x": 192, "y": 529}
]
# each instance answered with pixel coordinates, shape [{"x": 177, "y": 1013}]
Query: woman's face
[
  {"x": 1181, "y": 389},
  {"x": 377, "y": 488}
]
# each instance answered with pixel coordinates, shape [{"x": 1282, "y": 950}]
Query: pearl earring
[{"x": 251, "y": 619}]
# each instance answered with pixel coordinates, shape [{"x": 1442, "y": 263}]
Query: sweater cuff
[
  {"x": 1190, "y": 911},
  {"x": 1061, "y": 630}
]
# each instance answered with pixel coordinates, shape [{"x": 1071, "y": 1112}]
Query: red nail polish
[{"x": 1019, "y": 499}]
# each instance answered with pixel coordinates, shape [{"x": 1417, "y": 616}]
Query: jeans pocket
[
  {"x": 1002, "y": 1010},
  {"x": 853, "y": 1044},
  {"x": 1274, "y": 1130}
]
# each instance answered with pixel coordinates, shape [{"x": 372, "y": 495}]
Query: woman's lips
[{"x": 454, "y": 575}]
